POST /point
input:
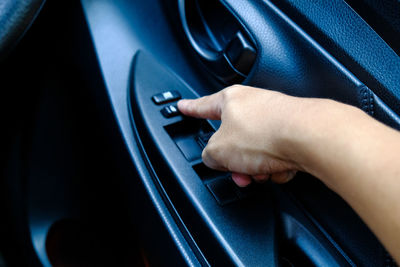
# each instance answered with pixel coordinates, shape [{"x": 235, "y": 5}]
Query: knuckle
[
  {"x": 209, "y": 151},
  {"x": 235, "y": 87},
  {"x": 207, "y": 156},
  {"x": 231, "y": 91}
]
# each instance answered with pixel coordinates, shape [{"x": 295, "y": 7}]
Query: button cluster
[{"x": 167, "y": 97}]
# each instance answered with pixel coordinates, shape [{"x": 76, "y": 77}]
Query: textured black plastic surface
[
  {"x": 16, "y": 16},
  {"x": 383, "y": 17},
  {"x": 341, "y": 31}
]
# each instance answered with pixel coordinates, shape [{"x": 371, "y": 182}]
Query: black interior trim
[
  {"x": 383, "y": 17},
  {"x": 16, "y": 16},
  {"x": 352, "y": 42},
  {"x": 116, "y": 42}
]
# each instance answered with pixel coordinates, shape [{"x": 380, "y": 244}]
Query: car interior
[{"x": 99, "y": 168}]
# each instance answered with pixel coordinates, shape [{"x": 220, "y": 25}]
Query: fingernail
[
  {"x": 241, "y": 180},
  {"x": 290, "y": 175}
]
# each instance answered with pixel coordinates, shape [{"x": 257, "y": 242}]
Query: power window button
[
  {"x": 170, "y": 111},
  {"x": 165, "y": 97},
  {"x": 223, "y": 190}
]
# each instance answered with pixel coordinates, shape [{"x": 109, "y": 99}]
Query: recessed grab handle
[{"x": 218, "y": 38}]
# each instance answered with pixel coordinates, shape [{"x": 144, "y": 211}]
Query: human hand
[
  {"x": 269, "y": 135},
  {"x": 251, "y": 142}
]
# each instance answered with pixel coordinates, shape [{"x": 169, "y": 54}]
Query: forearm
[{"x": 358, "y": 158}]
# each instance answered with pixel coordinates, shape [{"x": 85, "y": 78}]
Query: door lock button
[
  {"x": 170, "y": 111},
  {"x": 165, "y": 97}
]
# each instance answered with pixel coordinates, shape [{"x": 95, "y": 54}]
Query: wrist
[{"x": 318, "y": 135}]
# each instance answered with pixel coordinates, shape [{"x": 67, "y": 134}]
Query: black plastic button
[
  {"x": 223, "y": 190},
  {"x": 170, "y": 111},
  {"x": 189, "y": 148},
  {"x": 165, "y": 97}
]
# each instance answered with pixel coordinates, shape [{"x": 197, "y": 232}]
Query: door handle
[{"x": 218, "y": 38}]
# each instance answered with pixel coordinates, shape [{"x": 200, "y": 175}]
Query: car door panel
[{"x": 142, "y": 49}]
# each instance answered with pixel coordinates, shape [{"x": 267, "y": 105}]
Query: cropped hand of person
[
  {"x": 251, "y": 140},
  {"x": 270, "y": 135}
]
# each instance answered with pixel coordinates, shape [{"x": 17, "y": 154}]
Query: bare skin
[{"x": 269, "y": 135}]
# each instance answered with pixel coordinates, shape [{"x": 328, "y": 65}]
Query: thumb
[{"x": 207, "y": 107}]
